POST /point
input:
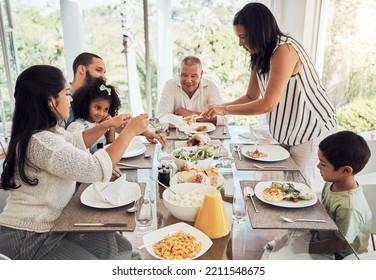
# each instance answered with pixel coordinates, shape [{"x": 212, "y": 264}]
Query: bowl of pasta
[{"x": 188, "y": 199}]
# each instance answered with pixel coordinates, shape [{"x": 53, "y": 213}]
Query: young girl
[
  {"x": 43, "y": 164},
  {"x": 92, "y": 104}
]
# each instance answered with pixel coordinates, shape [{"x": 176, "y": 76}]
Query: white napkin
[
  {"x": 172, "y": 119},
  {"x": 111, "y": 192}
]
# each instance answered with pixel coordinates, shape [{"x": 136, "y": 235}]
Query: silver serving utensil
[
  {"x": 248, "y": 192},
  {"x": 269, "y": 167},
  {"x": 163, "y": 185},
  {"x": 237, "y": 149},
  {"x": 128, "y": 165},
  {"x": 154, "y": 122},
  {"x": 301, "y": 220}
]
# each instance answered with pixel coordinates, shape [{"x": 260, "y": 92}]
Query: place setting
[
  {"x": 102, "y": 206},
  {"x": 284, "y": 205},
  {"x": 262, "y": 157}
]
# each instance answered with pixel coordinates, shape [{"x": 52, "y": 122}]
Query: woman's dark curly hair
[
  {"x": 96, "y": 89},
  {"x": 262, "y": 32}
]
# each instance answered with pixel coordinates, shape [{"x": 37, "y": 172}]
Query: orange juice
[{"x": 212, "y": 217}]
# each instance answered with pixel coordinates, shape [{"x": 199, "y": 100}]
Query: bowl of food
[
  {"x": 201, "y": 156},
  {"x": 188, "y": 199}
]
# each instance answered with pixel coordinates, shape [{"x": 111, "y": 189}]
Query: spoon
[
  {"x": 154, "y": 122},
  {"x": 132, "y": 209},
  {"x": 248, "y": 192},
  {"x": 163, "y": 185},
  {"x": 301, "y": 220},
  {"x": 237, "y": 149},
  {"x": 268, "y": 167}
]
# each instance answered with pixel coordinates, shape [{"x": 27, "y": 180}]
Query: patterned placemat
[
  {"x": 268, "y": 216},
  {"x": 249, "y": 164}
]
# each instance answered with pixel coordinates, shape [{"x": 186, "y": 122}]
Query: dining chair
[
  {"x": 370, "y": 194},
  {"x": 3, "y": 198}
]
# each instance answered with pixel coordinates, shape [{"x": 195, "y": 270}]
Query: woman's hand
[
  {"x": 211, "y": 111},
  {"x": 154, "y": 137},
  {"x": 138, "y": 124}
]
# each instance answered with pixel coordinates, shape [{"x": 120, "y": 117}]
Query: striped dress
[{"x": 305, "y": 110}]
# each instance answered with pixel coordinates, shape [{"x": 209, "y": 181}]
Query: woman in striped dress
[{"x": 285, "y": 85}]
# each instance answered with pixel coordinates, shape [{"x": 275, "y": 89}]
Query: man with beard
[{"x": 87, "y": 66}]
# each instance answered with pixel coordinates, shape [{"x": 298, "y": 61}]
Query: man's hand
[{"x": 154, "y": 137}]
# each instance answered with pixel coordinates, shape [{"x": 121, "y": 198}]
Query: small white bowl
[
  {"x": 202, "y": 164},
  {"x": 185, "y": 213}
]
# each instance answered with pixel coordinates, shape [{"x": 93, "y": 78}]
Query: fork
[{"x": 269, "y": 167}]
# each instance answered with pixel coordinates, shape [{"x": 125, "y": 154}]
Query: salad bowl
[{"x": 201, "y": 156}]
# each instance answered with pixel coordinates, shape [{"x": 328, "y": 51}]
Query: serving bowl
[
  {"x": 202, "y": 163},
  {"x": 187, "y": 201}
]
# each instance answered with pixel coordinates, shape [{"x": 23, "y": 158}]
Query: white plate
[
  {"x": 174, "y": 179},
  {"x": 192, "y": 128},
  {"x": 285, "y": 203},
  {"x": 89, "y": 198},
  {"x": 158, "y": 235},
  {"x": 134, "y": 149},
  {"x": 274, "y": 152}
]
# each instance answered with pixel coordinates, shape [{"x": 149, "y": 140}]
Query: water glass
[
  {"x": 225, "y": 164},
  {"x": 143, "y": 214},
  {"x": 238, "y": 207}
]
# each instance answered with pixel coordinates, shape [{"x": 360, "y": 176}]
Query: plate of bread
[
  {"x": 285, "y": 194},
  {"x": 189, "y": 173}
]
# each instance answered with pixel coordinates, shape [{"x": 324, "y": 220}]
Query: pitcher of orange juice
[{"x": 212, "y": 217}]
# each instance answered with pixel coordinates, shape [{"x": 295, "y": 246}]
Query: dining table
[{"x": 245, "y": 241}]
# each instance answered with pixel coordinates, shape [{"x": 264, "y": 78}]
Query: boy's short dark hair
[{"x": 346, "y": 148}]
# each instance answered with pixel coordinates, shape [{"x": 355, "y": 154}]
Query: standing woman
[
  {"x": 284, "y": 84},
  {"x": 43, "y": 164}
]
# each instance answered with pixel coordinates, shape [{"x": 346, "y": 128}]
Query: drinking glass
[
  {"x": 165, "y": 155},
  {"x": 253, "y": 136},
  {"x": 143, "y": 213},
  {"x": 238, "y": 206}
]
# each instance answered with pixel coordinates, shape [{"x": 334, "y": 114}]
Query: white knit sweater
[{"x": 61, "y": 159}]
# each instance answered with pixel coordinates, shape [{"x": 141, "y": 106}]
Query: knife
[{"x": 100, "y": 225}]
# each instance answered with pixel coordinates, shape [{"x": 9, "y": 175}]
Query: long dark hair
[
  {"x": 34, "y": 87},
  {"x": 95, "y": 89},
  {"x": 261, "y": 35}
]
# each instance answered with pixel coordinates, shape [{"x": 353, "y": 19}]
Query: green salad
[{"x": 203, "y": 152}]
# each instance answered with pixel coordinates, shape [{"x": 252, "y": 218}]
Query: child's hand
[
  {"x": 120, "y": 120},
  {"x": 138, "y": 124}
]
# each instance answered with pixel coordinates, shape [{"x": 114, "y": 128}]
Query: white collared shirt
[{"x": 174, "y": 97}]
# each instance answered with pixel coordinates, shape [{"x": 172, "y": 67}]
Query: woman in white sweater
[{"x": 42, "y": 166}]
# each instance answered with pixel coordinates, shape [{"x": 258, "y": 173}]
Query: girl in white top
[
  {"x": 92, "y": 104},
  {"x": 43, "y": 164},
  {"x": 284, "y": 84}
]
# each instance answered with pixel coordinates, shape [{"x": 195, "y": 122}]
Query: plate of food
[
  {"x": 198, "y": 127},
  {"x": 285, "y": 194},
  {"x": 208, "y": 176},
  {"x": 267, "y": 153},
  {"x": 202, "y": 139},
  {"x": 179, "y": 241}
]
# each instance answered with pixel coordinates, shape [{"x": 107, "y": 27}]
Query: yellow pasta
[{"x": 179, "y": 246}]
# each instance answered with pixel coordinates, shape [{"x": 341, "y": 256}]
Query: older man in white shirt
[{"x": 189, "y": 93}]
